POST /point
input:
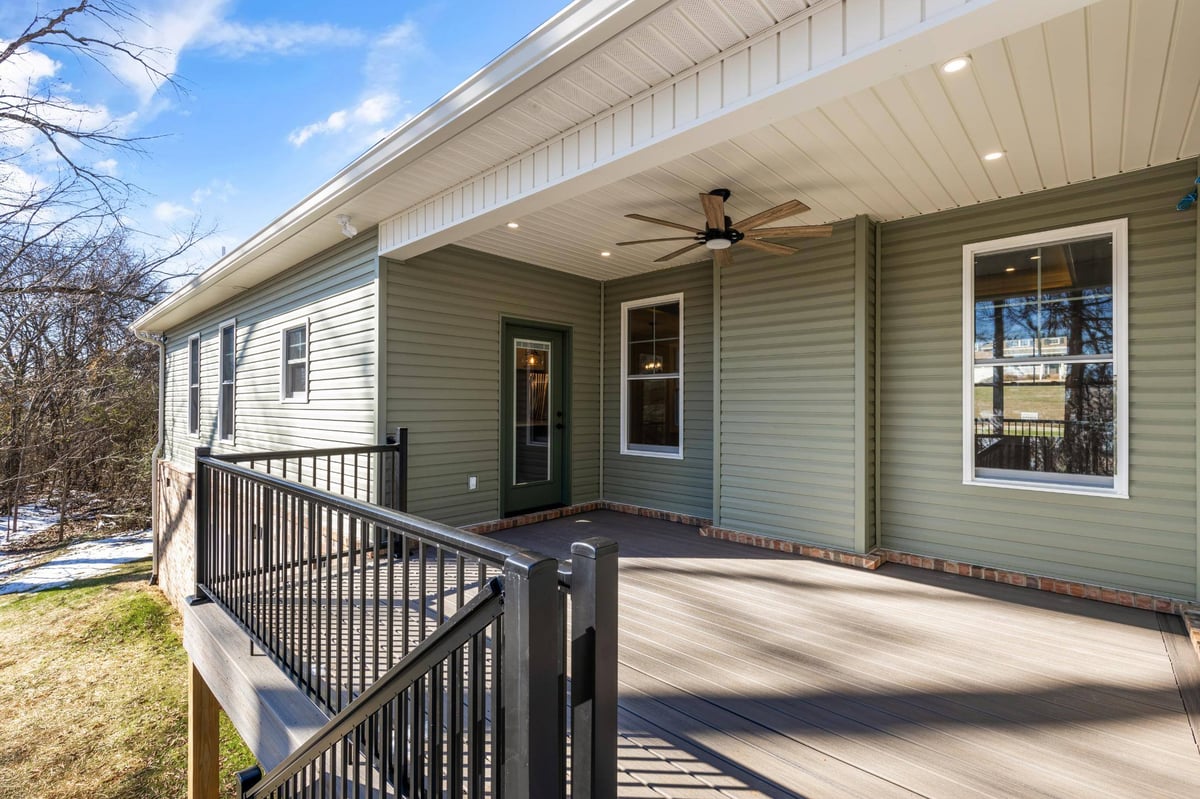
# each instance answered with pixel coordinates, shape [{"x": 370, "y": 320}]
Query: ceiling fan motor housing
[{"x": 717, "y": 235}]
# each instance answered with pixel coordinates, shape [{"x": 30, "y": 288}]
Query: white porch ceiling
[{"x": 1106, "y": 89}]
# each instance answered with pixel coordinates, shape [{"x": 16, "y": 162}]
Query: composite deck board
[
  {"x": 793, "y": 677},
  {"x": 1079, "y": 704},
  {"x": 749, "y": 673}
]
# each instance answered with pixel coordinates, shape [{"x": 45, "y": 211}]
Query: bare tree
[{"x": 77, "y": 391}]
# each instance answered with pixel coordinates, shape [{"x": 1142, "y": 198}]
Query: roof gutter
[{"x": 571, "y": 33}]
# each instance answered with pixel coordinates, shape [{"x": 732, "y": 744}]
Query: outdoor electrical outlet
[{"x": 472, "y": 483}]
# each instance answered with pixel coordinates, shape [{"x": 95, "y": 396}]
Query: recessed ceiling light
[
  {"x": 513, "y": 225},
  {"x": 1010, "y": 269},
  {"x": 605, "y": 254},
  {"x": 956, "y": 64},
  {"x": 996, "y": 156},
  {"x": 1035, "y": 257}
]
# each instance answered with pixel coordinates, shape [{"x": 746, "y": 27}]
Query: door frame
[{"x": 567, "y": 332}]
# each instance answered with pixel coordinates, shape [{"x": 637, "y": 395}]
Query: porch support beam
[
  {"x": 1196, "y": 592},
  {"x": 716, "y": 407},
  {"x": 863, "y": 524},
  {"x": 203, "y": 778},
  {"x": 829, "y": 50}
]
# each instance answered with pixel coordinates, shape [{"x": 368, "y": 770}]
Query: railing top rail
[
  {"x": 242, "y": 457},
  {"x": 468, "y": 621},
  {"x": 490, "y": 549}
]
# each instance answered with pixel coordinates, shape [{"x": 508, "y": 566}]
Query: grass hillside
[{"x": 93, "y": 694}]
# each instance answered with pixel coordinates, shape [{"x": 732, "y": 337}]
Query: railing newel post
[
  {"x": 594, "y": 669},
  {"x": 200, "y": 522},
  {"x": 401, "y": 470},
  {"x": 530, "y": 677}
]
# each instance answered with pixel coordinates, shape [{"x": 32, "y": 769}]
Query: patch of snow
[
  {"x": 31, "y": 520},
  {"x": 80, "y": 562}
]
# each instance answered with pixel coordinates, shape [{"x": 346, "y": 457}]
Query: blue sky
[{"x": 274, "y": 98}]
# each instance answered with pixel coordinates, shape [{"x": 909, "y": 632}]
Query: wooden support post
[{"x": 203, "y": 778}]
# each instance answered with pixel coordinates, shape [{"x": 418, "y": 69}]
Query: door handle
[{"x": 558, "y": 426}]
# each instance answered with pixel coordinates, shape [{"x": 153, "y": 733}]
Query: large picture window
[
  {"x": 652, "y": 377},
  {"x": 227, "y": 375},
  {"x": 194, "y": 385},
  {"x": 1046, "y": 384}
]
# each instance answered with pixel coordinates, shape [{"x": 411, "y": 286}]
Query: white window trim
[
  {"x": 1119, "y": 230},
  {"x": 195, "y": 337},
  {"x": 300, "y": 397},
  {"x": 221, "y": 384},
  {"x": 666, "y": 454}
]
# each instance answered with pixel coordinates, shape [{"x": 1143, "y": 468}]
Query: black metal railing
[
  {"x": 342, "y": 592},
  {"x": 376, "y": 474},
  {"x": 380, "y": 740},
  {"x": 1045, "y": 445}
]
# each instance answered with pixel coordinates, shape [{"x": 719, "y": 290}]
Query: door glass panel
[{"x": 531, "y": 411}]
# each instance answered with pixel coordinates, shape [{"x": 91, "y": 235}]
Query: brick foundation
[
  {"x": 1191, "y": 619},
  {"x": 877, "y": 557},
  {"x": 871, "y": 560},
  {"x": 176, "y": 535},
  {"x": 1113, "y": 596},
  {"x": 496, "y": 525}
]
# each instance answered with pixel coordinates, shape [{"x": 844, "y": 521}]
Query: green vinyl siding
[
  {"x": 678, "y": 486},
  {"x": 1146, "y": 542},
  {"x": 788, "y": 392},
  {"x": 444, "y": 311},
  {"x": 335, "y": 292}
]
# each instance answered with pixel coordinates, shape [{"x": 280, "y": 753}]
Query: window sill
[
  {"x": 1049, "y": 488},
  {"x": 670, "y": 456}
]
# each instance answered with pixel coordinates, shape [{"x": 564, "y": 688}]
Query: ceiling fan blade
[
  {"x": 722, "y": 258},
  {"x": 789, "y": 208},
  {"x": 651, "y": 241},
  {"x": 795, "y": 232},
  {"x": 688, "y": 228},
  {"x": 678, "y": 252},
  {"x": 766, "y": 246},
  {"x": 714, "y": 210}
]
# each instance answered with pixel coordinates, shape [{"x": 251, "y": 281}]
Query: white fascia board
[
  {"x": 568, "y": 35},
  {"x": 809, "y": 59}
]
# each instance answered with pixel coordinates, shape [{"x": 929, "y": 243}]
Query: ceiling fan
[{"x": 720, "y": 233}]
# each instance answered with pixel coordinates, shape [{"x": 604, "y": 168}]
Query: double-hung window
[
  {"x": 1046, "y": 386},
  {"x": 652, "y": 377},
  {"x": 293, "y": 384},
  {"x": 194, "y": 385},
  {"x": 227, "y": 370}
]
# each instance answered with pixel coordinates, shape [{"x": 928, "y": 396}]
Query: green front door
[{"x": 533, "y": 417}]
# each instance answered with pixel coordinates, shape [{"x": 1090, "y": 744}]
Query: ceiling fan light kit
[{"x": 719, "y": 233}]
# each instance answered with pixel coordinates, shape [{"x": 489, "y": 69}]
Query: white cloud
[
  {"x": 236, "y": 40},
  {"x": 169, "y": 28},
  {"x": 165, "y": 31},
  {"x": 33, "y": 74},
  {"x": 367, "y": 115},
  {"x": 392, "y": 53},
  {"x": 389, "y": 61},
  {"x": 106, "y": 167},
  {"x": 216, "y": 189},
  {"x": 169, "y": 213},
  {"x": 23, "y": 71}
]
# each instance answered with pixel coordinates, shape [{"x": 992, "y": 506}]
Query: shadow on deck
[{"x": 746, "y": 672}]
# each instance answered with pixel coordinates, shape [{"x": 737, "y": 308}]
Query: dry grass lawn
[{"x": 93, "y": 694}]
